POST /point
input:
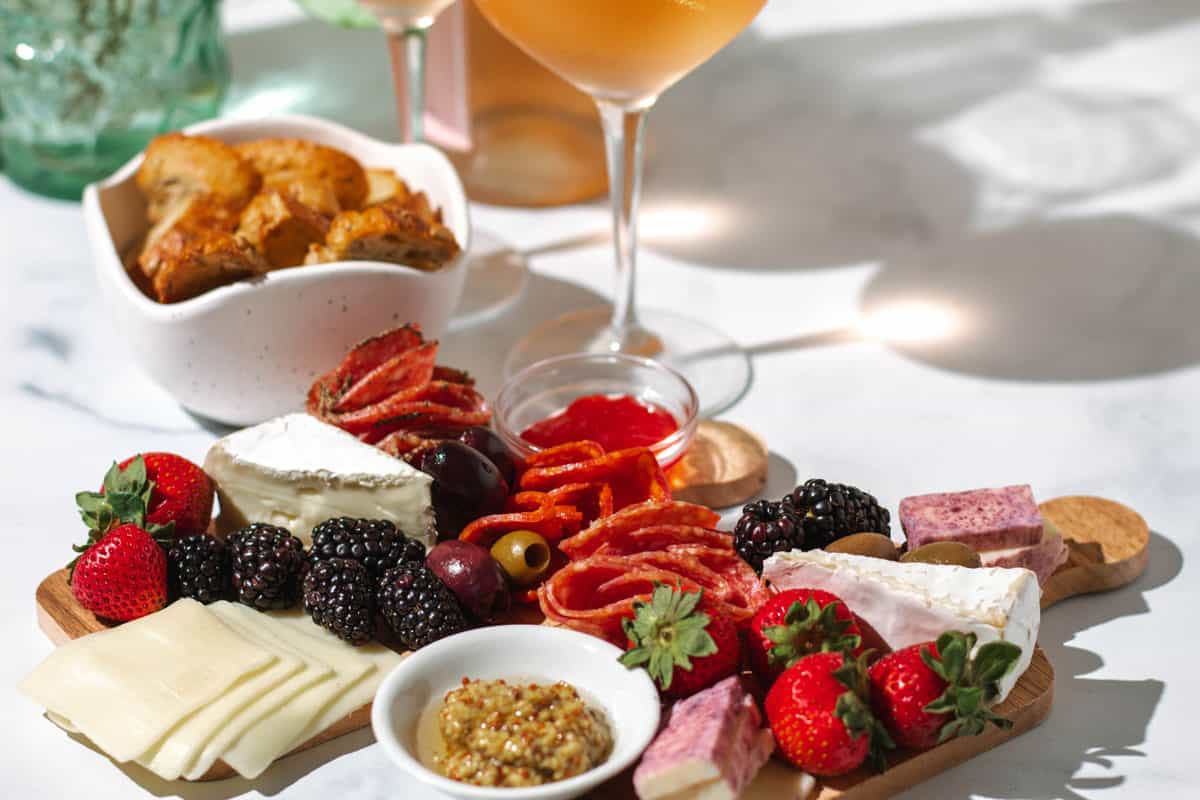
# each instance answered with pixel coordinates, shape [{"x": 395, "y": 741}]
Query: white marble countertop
[{"x": 1026, "y": 173}]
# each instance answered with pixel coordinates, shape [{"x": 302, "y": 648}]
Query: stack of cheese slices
[{"x": 279, "y": 680}]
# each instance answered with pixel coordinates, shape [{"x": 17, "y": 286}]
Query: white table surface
[{"x": 1028, "y": 171}]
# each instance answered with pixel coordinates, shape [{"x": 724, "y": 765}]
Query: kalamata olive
[
  {"x": 955, "y": 553},
  {"x": 875, "y": 545},
  {"x": 523, "y": 555},
  {"x": 492, "y": 446},
  {"x": 466, "y": 486},
  {"x": 473, "y": 575}
]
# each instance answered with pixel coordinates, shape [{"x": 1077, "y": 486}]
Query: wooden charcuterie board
[{"x": 1107, "y": 544}]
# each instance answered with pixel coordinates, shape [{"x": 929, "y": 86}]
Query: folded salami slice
[
  {"x": 595, "y": 594},
  {"x": 633, "y": 475},
  {"x": 658, "y": 537},
  {"x": 412, "y": 368},
  {"x": 635, "y": 518}
]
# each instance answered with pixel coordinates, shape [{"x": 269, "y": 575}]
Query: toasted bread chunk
[
  {"x": 313, "y": 192},
  {"x": 197, "y": 252},
  {"x": 283, "y": 161},
  {"x": 418, "y": 203},
  {"x": 281, "y": 228},
  {"x": 388, "y": 232},
  {"x": 384, "y": 185},
  {"x": 177, "y": 167}
]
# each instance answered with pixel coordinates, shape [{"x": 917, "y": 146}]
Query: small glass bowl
[{"x": 549, "y": 386}]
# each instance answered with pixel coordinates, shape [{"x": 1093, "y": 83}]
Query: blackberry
[
  {"x": 339, "y": 594},
  {"x": 266, "y": 563},
  {"x": 418, "y": 606},
  {"x": 828, "y": 511},
  {"x": 763, "y": 530},
  {"x": 374, "y": 543},
  {"x": 198, "y": 567}
]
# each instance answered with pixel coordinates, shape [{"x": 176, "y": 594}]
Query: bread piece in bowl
[
  {"x": 283, "y": 161},
  {"x": 178, "y": 167}
]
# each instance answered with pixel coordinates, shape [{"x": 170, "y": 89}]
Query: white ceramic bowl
[
  {"x": 248, "y": 351},
  {"x": 539, "y": 652}
]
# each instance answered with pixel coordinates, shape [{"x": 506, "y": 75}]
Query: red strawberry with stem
[
  {"x": 683, "y": 645},
  {"x": 122, "y": 576},
  {"x": 796, "y": 623},
  {"x": 820, "y": 715},
  {"x": 174, "y": 491},
  {"x": 928, "y": 693}
]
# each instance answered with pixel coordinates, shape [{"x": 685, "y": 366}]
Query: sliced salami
[{"x": 635, "y": 518}]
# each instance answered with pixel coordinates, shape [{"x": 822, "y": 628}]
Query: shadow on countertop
[
  {"x": 827, "y": 149},
  {"x": 1063, "y": 300}
]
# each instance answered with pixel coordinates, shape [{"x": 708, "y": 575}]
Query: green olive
[
  {"x": 523, "y": 555},
  {"x": 955, "y": 553},
  {"x": 875, "y": 545}
]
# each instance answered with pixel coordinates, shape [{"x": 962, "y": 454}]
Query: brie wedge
[
  {"x": 296, "y": 471},
  {"x": 911, "y": 603}
]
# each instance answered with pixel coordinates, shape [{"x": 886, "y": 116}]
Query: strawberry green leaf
[
  {"x": 972, "y": 682},
  {"x": 667, "y": 633},
  {"x": 808, "y": 628}
]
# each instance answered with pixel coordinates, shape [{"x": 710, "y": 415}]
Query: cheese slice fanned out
[
  {"x": 128, "y": 687},
  {"x": 911, "y": 603},
  {"x": 296, "y": 471}
]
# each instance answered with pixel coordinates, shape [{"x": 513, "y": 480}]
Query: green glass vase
[{"x": 85, "y": 84}]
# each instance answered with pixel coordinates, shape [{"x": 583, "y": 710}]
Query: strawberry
[
  {"x": 684, "y": 645},
  {"x": 796, "y": 623},
  {"x": 123, "y": 576},
  {"x": 818, "y": 711},
  {"x": 180, "y": 492},
  {"x": 931, "y": 692}
]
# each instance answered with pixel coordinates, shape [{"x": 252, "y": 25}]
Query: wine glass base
[
  {"x": 716, "y": 366},
  {"x": 496, "y": 278}
]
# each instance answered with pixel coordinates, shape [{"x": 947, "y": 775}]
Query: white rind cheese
[
  {"x": 296, "y": 471},
  {"x": 910, "y": 603}
]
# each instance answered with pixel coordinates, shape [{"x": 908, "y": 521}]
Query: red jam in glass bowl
[
  {"x": 615, "y": 422},
  {"x": 615, "y": 400}
]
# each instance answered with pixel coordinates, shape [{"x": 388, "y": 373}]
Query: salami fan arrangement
[{"x": 389, "y": 392}]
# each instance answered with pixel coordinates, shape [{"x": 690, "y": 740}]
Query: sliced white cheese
[
  {"x": 127, "y": 687},
  {"x": 296, "y": 471},
  {"x": 179, "y": 749},
  {"x": 355, "y": 695},
  {"x": 273, "y": 734},
  {"x": 238, "y": 710},
  {"x": 911, "y": 603}
]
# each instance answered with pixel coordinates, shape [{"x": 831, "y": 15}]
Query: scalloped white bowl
[{"x": 248, "y": 351}]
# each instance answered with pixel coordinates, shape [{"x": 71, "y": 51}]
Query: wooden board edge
[
  {"x": 1083, "y": 573},
  {"x": 920, "y": 767}
]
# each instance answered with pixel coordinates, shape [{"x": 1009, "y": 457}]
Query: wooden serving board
[{"x": 1107, "y": 544}]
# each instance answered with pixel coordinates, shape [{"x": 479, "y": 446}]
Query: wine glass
[
  {"x": 625, "y": 53},
  {"x": 406, "y": 22}
]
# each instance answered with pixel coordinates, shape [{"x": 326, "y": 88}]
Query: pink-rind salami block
[
  {"x": 984, "y": 519},
  {"x": 713, "y": 745}
]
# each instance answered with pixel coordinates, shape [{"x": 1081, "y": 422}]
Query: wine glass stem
[
  {"x": 407, "y": 47},
  {"x": 624, "y": 189}
]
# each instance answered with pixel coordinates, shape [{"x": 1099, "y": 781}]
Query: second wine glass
[{"x": 406, "y": 23}]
